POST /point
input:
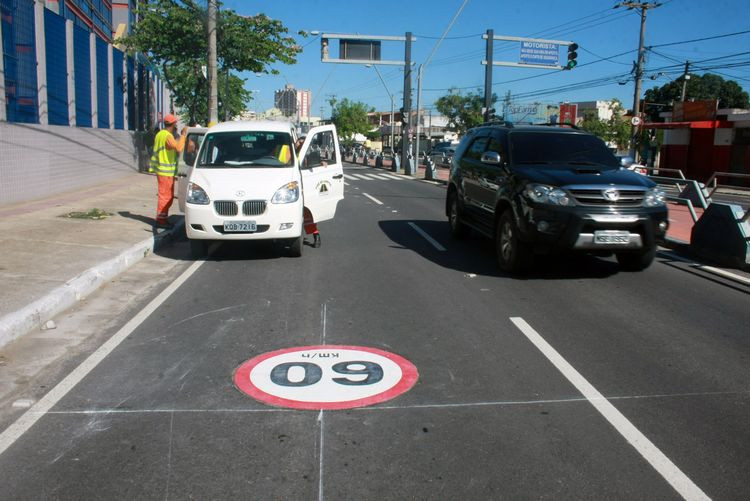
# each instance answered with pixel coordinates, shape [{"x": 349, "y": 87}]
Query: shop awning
[{"x": 703, "y": 124}]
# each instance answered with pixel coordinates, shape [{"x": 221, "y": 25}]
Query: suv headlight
[
  {"x": 196, "y": 195},
  {"x": 655, "y": 197},
  {"x": 287, "y": 194},
  {"x": 544, "y": 194}
]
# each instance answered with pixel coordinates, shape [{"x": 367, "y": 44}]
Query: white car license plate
[
  {"x": 611, "y": 237},
  {"x": 239, "y": 226}
]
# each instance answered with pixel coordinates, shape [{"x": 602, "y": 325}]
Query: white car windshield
[{"x": 246, "y": 149}]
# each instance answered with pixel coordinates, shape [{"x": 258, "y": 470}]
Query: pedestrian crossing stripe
[{"x": 372, "y": 176}]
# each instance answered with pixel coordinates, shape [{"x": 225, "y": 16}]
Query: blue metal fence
[
  {"x": 130, "y": 69},
  {"x": 19, "y": 58},
  {"x": 119, "y": 90},
  {"x": 82, "y": 65},
  {"x": 102, "y": 83},
  {"x": 57, "y": 68},
  {"x": 145, "y": 96}
]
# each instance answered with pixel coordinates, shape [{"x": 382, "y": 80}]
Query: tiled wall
[{"x": 41, "y": 160}]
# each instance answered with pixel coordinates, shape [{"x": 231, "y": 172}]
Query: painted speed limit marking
[{"x": 325, "y": 377}]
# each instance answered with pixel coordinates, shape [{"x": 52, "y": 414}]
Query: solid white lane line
[
  {"x": 320, "y": 460},
  {"x": 661, "y": 463},
  {"x": 710, "y": 269},
  {"x": 391, "y": 176},
  {"x": 427, "y": 237},
  {"x": 373, "y": 199},
  {"x": 27, "y": 419}
]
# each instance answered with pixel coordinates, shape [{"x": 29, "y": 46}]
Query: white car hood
[{"x": 243, "y": 183}]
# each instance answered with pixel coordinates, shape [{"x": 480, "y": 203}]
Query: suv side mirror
[{"x": 491, "y": 158}]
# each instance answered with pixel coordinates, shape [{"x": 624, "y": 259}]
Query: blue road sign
[{"x": 540, "y": 53}]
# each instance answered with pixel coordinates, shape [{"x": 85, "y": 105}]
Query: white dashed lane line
[
  {"x": 427, "y": 237},
  {"x": 373, "y": 199}
]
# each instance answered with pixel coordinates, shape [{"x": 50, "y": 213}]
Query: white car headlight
[
  {"x": 287, "y": 194},
  {"x": 544, "y": 194},
  {"x": 655, "y": 197},
  {"x": 196, "y": 195}
]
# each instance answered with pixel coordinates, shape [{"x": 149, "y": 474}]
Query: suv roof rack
[
  {"x": 572, "y": 126},
  {"x": 504, "y": 123}
]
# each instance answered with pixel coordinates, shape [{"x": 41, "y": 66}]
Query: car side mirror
[
  {"x": 491, "y": 158},
  {"x": 627, "y": 161}
]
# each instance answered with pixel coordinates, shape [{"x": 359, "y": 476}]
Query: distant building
[
  {"x": 601, "y": 109},
  {"x": 293, "y": 102}
]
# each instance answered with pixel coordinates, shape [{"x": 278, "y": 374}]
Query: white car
[{"x": 247, "y": 183}]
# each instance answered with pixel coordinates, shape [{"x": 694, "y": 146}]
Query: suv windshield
[
  {"x": 246, "y": 149},
  {"x": 560, "y": 148}
]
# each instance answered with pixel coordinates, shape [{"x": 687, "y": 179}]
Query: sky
[{"x": 607, "y": 39}]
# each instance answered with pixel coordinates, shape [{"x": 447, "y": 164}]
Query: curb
[{"x": 35, "y": 314}]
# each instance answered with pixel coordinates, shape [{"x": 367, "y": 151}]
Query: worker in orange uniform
[
  {"x": 311, "y": 228},
  {"x": 164, "y": 164}
]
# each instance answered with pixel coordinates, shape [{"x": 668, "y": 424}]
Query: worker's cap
[{"x": 170, "y": 119}]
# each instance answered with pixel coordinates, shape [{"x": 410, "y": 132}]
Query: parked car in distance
[
  {"x": 442, "y": 155},
  {"x": 247, "y": 183},
  {"x": 628, "y": 163},
  {"x": 537, "y": 189}
]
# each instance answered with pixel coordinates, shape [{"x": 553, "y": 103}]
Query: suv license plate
[
  {"x": 239, "y": 226},
  {"x": 611, "y": 237}
]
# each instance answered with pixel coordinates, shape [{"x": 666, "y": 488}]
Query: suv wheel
[
  {"x": 636, "y": 261},
  {"x": 458, "y": 229},
  {"x": 512, "y": 254}
]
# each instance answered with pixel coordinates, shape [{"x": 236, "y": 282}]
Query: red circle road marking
[{"x": 244, "y": 374}]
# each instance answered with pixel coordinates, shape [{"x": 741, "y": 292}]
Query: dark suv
[{"x": 539, "y": 189}]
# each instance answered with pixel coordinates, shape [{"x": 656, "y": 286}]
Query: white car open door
[
  {"x": 185, "y": 162},
  {"x": 322, "y": 172}
]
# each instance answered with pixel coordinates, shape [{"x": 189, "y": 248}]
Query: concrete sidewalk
[{"x": 50, "y": 261}]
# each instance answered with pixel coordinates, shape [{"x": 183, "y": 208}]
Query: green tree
[
  {"x": 350, "y": 118},
  {"x": 462, "y": 111},
  {"x": 173, "y": 35},
  {"x": 708, "y": 86},
  {"x": 615, "y": 131}
]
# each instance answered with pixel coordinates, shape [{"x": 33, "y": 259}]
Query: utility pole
[
  {"x": 488, "y": 75},
  {"x": 213, "y": 91},
  {"x": 405, "y": 133},
  {"x": 643, "y": 6},
  {"x": 685, "y": 78}
]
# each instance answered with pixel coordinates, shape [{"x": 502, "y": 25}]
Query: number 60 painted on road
[{"x": 325, "y": 377}]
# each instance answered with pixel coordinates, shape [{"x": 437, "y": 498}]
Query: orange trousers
[
  {"x": 164, "y": 201},
  {"x": 310, "y": 227}
]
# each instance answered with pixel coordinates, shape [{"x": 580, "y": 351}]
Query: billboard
[
  {"x": 532, "y": 113},
  {"x": 568, "y": 113},
  {"x": 693, "y": 111}
]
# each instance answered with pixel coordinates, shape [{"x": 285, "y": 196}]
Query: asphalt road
[{"x": 577, "y": 381}]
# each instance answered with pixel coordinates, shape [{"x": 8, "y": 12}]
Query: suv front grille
[
  {"x": 595, "y": 197},
  {"x": 225, "y": 207},
  {"x": 254, "y": 207}
]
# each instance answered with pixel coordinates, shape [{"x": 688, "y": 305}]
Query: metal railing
[
  {"x": 713, "y": 180},
  {"x": 681, "y": 183}
]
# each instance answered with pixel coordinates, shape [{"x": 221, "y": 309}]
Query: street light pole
[
  {"x": 643, "y": 6},
  {"x": 393, "y": 154}
]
